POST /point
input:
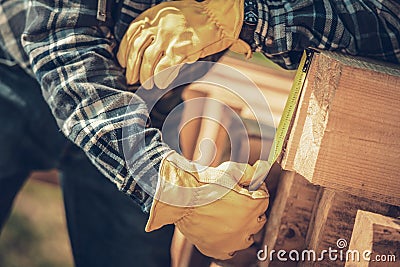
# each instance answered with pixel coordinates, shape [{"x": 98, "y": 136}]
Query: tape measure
[{"x": 290, "y": 107}]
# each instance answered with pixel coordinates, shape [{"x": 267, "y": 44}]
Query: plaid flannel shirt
[
  {"x": 368, "y": 28},
  {"x": 72, "y": 55}
]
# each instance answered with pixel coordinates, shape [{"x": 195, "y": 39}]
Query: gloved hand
[
  {"x": 211, "y": 206},
  {"x": 178, "y": 32}
]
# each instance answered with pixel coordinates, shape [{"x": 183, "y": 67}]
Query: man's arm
[
  {"x": 86, "y": 90},
  {"x": 283, "y": 29},
  {"x": 279, "y": 29},
  {"x": 13, "y": 15}
]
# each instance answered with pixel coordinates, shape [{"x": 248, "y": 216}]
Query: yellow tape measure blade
[{"x": 290, "y": 107}]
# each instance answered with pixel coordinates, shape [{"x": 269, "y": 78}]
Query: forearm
[
  {"x": 364, "y": 28},
  {"x": 87, "y": 93}
]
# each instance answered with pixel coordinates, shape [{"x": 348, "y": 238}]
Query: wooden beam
[
  {"x": 191, "y": 121},
  {"x": 290, "y": 216},
  {"x": 332, "y": 224},
  {"x": 378, "y": 234},
  {"x": 346, "y": 130}
]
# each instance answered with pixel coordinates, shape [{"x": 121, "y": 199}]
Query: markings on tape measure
[{"x": 290, "y": 107}]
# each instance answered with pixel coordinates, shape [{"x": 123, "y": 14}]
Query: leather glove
[
  {"x": 212, "y": 207},
  {"x": 178, "y": 32}
]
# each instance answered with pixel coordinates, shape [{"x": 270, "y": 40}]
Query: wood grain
[
  {"x": 346, "y": 133},
  {"x": 378, "y": 234},
  {"x": 333, "y": 220},
  {"x": 290, "y": 216}
]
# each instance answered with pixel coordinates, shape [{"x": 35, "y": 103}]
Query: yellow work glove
[
  {"x": 172, "y": 33},
  {"x": 212, "y": 207}
]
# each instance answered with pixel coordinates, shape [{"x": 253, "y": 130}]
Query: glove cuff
[{"x": 162, "y": 213}]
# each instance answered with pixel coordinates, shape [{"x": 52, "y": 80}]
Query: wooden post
[
  {"x": 191, "y": 121},
  {"x": 181, "y": 248},
  {"x": 346, "y": 131},
  {"x": 289, "y": 218},
  {"x": 377, "y": 234},
  {"x": 332, "y": 224}
]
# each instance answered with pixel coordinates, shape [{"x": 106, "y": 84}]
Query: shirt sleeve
[
  {"x": 361, "y": 28},
  {"x": 12, "y": 19},
  {"x": 73, "y": 59}
]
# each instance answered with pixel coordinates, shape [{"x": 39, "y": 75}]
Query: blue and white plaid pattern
[
  {"x": 73, "y": 57},
  {"x": 369, "y": 28}
]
